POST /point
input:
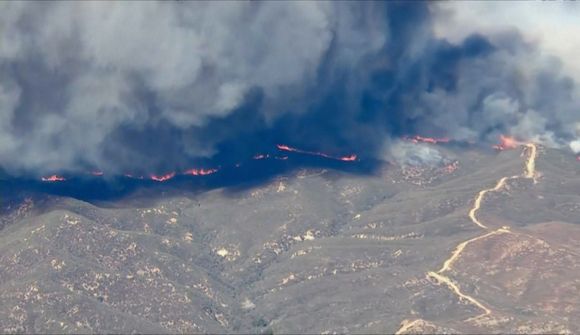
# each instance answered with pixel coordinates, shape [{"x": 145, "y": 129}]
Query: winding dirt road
[{"x": 439, "y": 276}]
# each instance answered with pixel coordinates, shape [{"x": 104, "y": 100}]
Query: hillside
[{"x": 312, "y": 250}]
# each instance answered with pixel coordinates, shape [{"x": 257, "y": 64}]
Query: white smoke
[
  {"x": 554, "y": 26},
  {"x": 549, "y": 32},
  {"x": 416, "y": 154},
  {"x": 197, "y": 60},
  {"x": 575, "y": 146}
]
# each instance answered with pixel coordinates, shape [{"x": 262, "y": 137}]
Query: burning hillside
[
  {"x": 348, "y": 158},
  {"x": 405, "y": 231},
  {"x": 507, "y": 143},
  {"x": 196, "y": 172},
  {"x": 289, "y": 167}
]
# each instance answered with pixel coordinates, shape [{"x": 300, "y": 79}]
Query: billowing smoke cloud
[
  {"x": 153, "y": 86},
  {"x": 533, "y": 73}
]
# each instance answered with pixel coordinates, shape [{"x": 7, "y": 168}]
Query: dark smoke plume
[{"x": 158, "y": 86}]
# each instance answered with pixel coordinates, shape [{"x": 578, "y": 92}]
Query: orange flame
[
  {"x": 53, "y": 178},
  {"x": 450, "y": 168},
  {"x": 205, "y": 172},
  {"x": 507, "y": 143},
  {"x": 432, "y": 140},
  {"x": 349, "y": 158},
  {"x": 162, "y": 178},
  {"x": 286, "y": 148},
  {"x": 200, "y": 172}
]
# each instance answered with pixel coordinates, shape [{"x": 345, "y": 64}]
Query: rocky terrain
[{"x": 314, "y": 250}]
